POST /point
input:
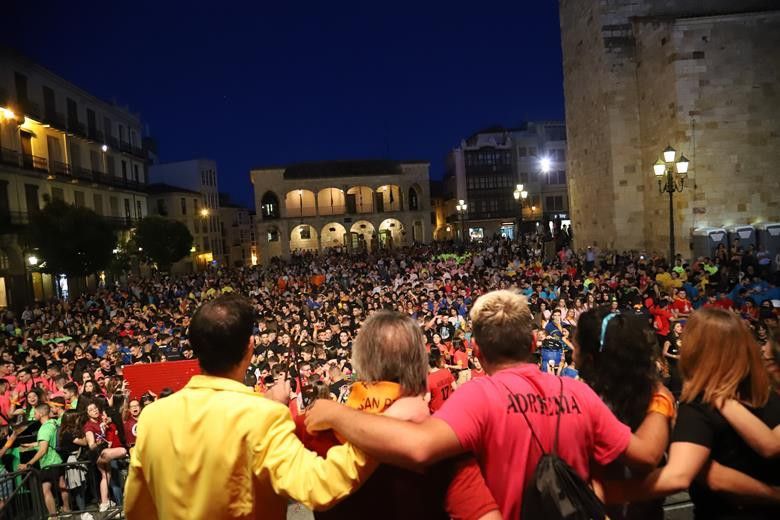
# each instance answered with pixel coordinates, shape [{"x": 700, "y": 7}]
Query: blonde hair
[
  {"x": 502, "y": 321},
  {"x": 390, "y": 346},
  {"x": 720, "y": 359}
]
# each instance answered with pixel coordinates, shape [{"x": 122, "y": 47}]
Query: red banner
[{"x": 155, "y": 376}]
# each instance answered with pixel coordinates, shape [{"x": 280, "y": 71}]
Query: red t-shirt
[
  {"x": 130, "y": 425},
  {"x": 682, "y": 306},
  {"x": 440, "y": 387},
  {"x": 461, "y": 359},
  {"x": 485, "y": 414}
]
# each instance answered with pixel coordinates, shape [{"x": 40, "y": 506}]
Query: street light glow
[
  {"x": 659, "y": 168},
  {"x": 32, "y": 260},
  {"x": 682, "y": 164},
  {"x": 544, "y": 164},
  {"x": 669, "y": 154},
  {"x": 104, "y": 147},
  {"x": 204, "y": 212}
]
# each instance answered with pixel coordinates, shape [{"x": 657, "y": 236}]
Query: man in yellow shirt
[{"x": 216, "y": 449}]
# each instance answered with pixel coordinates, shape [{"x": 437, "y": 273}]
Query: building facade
[
  {"x": 238, "y": 235},
  {"x": 198, "y": 175},
  {"x": 485, "y": 170},
  {"x": 186, "y": 206},
  {"x": 700, "y": 76},
  {"x": 59, "y": 142},
  {"x": 357, "y": 205}
]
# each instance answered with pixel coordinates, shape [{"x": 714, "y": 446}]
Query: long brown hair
[{"x": 720, "y": 359}]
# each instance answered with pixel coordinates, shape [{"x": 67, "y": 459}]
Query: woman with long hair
[
  {"x": 616, "y": 355},
  {"x": 104, "y": 442},
  {"x": 719, "y": 360},
  {"x": 70, "y": 440}
]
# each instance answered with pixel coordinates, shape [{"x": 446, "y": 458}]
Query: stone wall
[{"x": 639, "y": 75}]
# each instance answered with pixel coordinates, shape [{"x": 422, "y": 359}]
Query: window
[
  {"x": 205, "y": 243},
  {"x": 97, "y": 203},
  {"x": 531, "y": 150},
  {"x": 196, "y": 205},
  {"x": 73, "y": 112},
  {"x": 49, "y": 104},
  {"x": 553, "y": 203},
  {"x": 57, "y": 194},
  {"x": 121, "y": 133},
  {"x": 138, "y": 210},
  {"x": 183, "y": 206},
  {"x": 124, "y": 169},
  {"x": 557, "y": 177},
  {"x": 128, "y": 215},
  {"x": 136, "y": 176},
  {"x": 91, "y": 123},
  {"x": 132, "y": 137},
  {"x": 196, "y": 225},
  {"x": 110, "y": 165},
  {"x": 107, "y": 127},
  {"x": 78, "y": 199},
  {"x": 21, "y": 86},
  {"x": 269, "y": 206},
  {"x": 162, "y": 208},
  {"x": 114, "y": 203},
  {"x": 521, "y": 151}
]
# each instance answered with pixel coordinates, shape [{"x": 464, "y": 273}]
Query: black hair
[
  {"x": 219, "y": 332},
  {"x": 623, "y": 372}
]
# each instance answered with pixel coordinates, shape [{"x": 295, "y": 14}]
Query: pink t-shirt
[{"x": 487, "y": 419}]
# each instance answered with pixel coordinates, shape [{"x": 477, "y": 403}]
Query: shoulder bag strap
[{"x": 528, "y": 422}]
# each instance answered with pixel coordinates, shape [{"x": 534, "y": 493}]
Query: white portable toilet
[
  {"x": 707, "y": 239},
  {"x": 745, "y": 233},
  {"x": 769, "y": 237}
]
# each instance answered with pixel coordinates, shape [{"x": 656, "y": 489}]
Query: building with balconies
[
  {"x": 485, "y": 170},
  {"x": 198, "y": 175},
  {"x": 356, "y": 205},
  {"x": 58, "y": 141}
]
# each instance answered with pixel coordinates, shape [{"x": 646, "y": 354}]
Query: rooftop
[
  {"x": 342, "y": 168},
  {"x": 160, "y": 187}
]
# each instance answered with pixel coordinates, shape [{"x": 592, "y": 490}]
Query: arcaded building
[{"x": 356, "y": 205}]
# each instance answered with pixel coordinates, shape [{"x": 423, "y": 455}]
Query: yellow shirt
[{"x": 217, "y": 450}]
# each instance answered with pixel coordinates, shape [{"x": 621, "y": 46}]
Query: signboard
[{"x": 155, "y": 376}]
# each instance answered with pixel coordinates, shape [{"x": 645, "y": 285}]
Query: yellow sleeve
[
  {"x": 300, "y": 474},
  {"x": 138, "y": 501}
]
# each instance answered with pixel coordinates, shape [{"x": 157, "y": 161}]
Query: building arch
[
  {"x": 332, "y": 235},
  {"x": 300, "y": 203},
  {"x": 414, "y": 198},
  {"x": 304, "y": 237},
  {"x": 365, "y": 233},
  {"x": 273, "y": 240},
  {"x": 391, "y": 198},
  {"x": 391, "y": 233},
  {"x": 360, "y": 199},
  {"x": 331, "y": 201},
  {"x": 269, "y": 206}
]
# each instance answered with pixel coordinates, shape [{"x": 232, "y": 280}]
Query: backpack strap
[
  {"x": 558, "y": 422},
  {"x": 528, "y": 422}
]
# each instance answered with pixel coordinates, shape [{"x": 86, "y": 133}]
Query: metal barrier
[{"x": 77, "y": 483}]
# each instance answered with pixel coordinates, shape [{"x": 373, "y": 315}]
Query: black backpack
[{"x": 555, "y": 490}]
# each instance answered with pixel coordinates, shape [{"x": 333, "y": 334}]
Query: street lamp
[
  {"x": 545, "y": 164},
  {"x": 520, "y": 195},
  {"x": 671, "y": 176},
  {"x": 204, "y": 212},
  {"x": 32, "y": 260},
  {"x": 461, "y": 207}
]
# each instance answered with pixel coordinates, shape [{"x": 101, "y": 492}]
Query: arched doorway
[
  {"x": 304, "y": 238},
  {"x": 391, "y": 233},
  {"x": 269, "y": 206},
  {"x": 332, "y": 235},
  {"x": 300, "y": 203},
  {"x": 360, "y": 199},
  {"x": 331, "y": 201},
  {"x": 362, "y": 235},
  {"x": 390, "y": 197}
]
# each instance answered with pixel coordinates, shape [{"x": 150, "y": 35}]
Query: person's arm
[
  {"x": 685, "y": 461},
  {"x": 386, "y": 439},
  {"x": 722, "y": 479},
  {"x": 755, "y": 433},
  {"x": 43, "y": 447},
  {"x": 648, "y": 444},
  {"x": 138, "y": 501},
  {"x": 90, "y": 440}
]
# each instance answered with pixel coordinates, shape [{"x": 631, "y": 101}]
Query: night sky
[{"x": 273, "y": 83}]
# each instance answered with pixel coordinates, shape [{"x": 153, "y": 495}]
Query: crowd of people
[{"x": 659, "y": 362}]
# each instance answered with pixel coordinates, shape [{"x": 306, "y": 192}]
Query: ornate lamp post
[
  {"x": 671, "y": 176},
  {"x": 461, "y": 207},
  {"x": 520, "y": 195}
]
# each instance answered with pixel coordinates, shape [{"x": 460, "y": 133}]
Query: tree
[
  {"x": 70, "y": 240},
  {"x": 163, "y": 241}
]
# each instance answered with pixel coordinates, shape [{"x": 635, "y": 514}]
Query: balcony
[
  {"x": 29, "y": 108},
  {"x": 27, "y": 162},
  {"x": 95, "y": 134},
  {"x": 77, "y": 128},
  {"x": 65, "y": 172},
  {"x": 55, "y": 119},
  {"x": 132, "y": 149}
]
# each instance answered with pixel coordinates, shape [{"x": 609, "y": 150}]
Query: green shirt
[{"x": 48, "y": 433}]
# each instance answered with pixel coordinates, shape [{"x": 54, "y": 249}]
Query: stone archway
[
  {"x": 391, "y": 233},
  {"x": 304, "y": 237},
  {"x": 332, "y": 235}
]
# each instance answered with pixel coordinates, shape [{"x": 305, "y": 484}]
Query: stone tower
[{"x": 703, "y": 76}]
